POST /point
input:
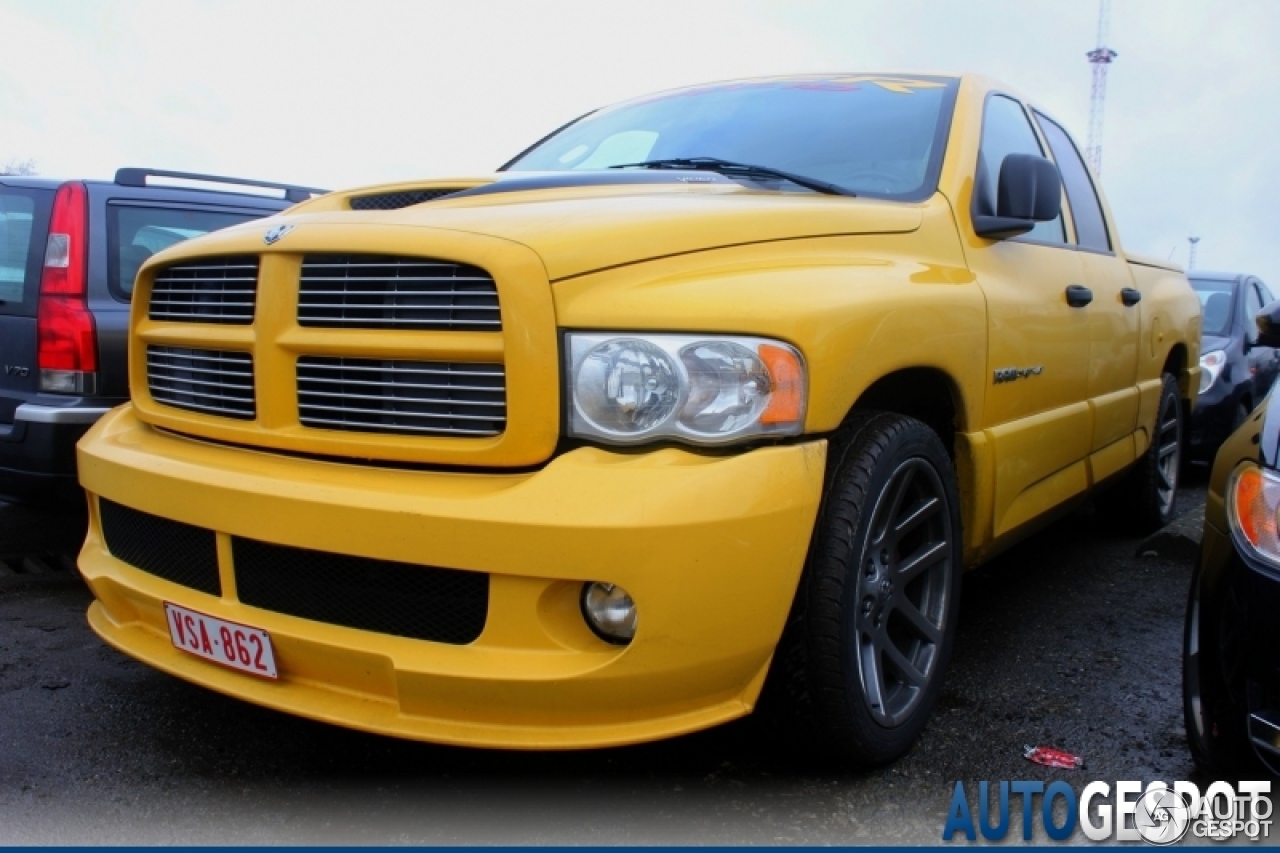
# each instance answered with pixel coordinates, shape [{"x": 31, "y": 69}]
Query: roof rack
[{"x": 134, "y": 177}]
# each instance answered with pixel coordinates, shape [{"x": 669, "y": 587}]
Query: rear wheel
[
  {"x": 1146, "y": 499},
  {"x": 874, "y": 621}
]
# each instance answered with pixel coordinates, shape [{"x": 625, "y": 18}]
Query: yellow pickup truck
[{"x": 717, "y": 387}]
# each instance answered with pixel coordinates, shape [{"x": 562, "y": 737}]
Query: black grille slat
[
  {"x": 427, "y": 398},
  {"x": 214, "y": 382},
  {"x": 172, "y": 550},
  {"x": 397, "y": 200},
  {"x": 394, "y": 292},
  {"x": 401, "y": 599},
  {"x": 210, "y": 290}
]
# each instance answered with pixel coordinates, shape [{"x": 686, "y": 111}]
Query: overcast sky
[{"x": 337, "y": 94}]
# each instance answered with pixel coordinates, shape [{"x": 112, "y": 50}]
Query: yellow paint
[
  {"x": 733, "y": 530},
  {"x": 1111, "y": 460},
  {"x": 710, "y": 545}
]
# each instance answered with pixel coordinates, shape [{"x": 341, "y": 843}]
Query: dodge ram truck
[{"x": 711, "y": 394}]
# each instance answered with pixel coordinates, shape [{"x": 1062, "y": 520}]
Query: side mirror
[
  {"x": 1268, "y": 321},
  {"x": 1029, "y": 191}
]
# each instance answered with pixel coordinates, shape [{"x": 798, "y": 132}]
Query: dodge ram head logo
[{"x": 276, "y": 233}]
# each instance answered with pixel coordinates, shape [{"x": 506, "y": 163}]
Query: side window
[
  {"x": 24, "y": 218},
  {"x": 1252, "y": 305},
  {"x": 1007, "y": 130},
  {"x": 16, "y": 215},
  {"x": 1267, "y": 298},
  {"x": 1091, "y": 226}
]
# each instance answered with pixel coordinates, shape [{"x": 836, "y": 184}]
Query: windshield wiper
[{"x": 732, "y": 169}]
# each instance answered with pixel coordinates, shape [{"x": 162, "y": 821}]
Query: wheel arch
[
  {"x": 928, "y": 394},
  {"x": 1175, "y": 364}
]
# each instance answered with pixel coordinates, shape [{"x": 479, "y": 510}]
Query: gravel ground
[{"x": 1070, "y": 640}]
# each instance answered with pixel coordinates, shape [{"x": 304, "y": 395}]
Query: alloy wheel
[
  {"x": 1168, "y": 453},
  {"x": 904, "y": 587}
]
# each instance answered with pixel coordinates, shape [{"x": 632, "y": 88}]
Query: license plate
[{"x": 228, "y": 643}]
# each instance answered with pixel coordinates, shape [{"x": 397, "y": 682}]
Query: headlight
[
  {"x": 1211, "y": 364},
  {"x": 1253, "y": 512},
  {"x": 628, "y": 389}
]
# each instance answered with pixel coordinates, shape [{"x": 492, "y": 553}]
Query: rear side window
[
  {"x": 1091, "y": 227},
  {"x": 23, "y": 227},
  {"x": 136, "y": 232}
]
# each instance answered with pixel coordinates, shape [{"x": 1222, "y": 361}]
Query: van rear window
[
  {"x": 135, "y": 233},
  {"x": 17, "y": 213}
]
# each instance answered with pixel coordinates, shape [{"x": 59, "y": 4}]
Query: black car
[
  {"x": 1231, "y": 648},
  {"x": 69, "y": 251},
  {"x": 1236, "y": 371}
]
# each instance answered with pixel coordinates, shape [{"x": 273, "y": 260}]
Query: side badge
[
  {"x": 1009, "y": 374},
  {"x": 276, "y": 233}
]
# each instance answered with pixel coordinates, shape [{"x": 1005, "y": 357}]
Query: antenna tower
[
  {"x": 1191, "y": 253},
  {"x": 1100, "y": 57}
]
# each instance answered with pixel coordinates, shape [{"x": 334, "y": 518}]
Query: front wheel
[
  {"x": 1214, "y": 703},
  {"x": 875, "y": 618}
]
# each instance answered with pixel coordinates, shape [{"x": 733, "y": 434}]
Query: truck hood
[{"x": 579, "y": 226}]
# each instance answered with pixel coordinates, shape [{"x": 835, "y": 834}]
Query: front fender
[{"x": 857, "y": 307}]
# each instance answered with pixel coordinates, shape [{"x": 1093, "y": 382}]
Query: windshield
[
  {"x": 1215, "y": 306},
  {"x": 873, "y": 136}
]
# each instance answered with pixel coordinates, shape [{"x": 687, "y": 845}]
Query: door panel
[
  {"x": 1039, "y": 464},
  {"x": 1040, "y": 422},
  {"x": 1113, "y": 349}
]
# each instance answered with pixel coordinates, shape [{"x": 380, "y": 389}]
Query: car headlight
[
  {"x": 1253, "y": 512},
  {"x": 701, "y": 389},
  {"x": 1211, "y": 364}
]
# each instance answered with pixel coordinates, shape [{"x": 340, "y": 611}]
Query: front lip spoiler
[{"x": 32, "y": 413}]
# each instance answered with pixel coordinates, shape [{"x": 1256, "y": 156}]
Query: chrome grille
[
  {"x": 428, "y": 398},
  {"x": 215, "y": 382},
  {"x": 390, "y": 292},
  {"x": 210, "y": 290}
]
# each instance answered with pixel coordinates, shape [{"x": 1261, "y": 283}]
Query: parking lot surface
[{"x": 1070, "y": 640}]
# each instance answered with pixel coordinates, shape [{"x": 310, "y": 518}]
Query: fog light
[{"x": 610, "y": 612}]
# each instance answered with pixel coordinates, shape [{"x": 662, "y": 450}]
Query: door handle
[
  {"x": 1078, "y": 295},
  {"x": 1129, "y": 296}
]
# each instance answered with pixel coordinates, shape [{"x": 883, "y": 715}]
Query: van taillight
[{"x": 67, "y": 341}]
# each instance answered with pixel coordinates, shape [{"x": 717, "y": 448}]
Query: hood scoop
[{"x": 400, "y": 198}]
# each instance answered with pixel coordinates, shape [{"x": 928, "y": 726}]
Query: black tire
[
  {"x": 1147, "y": 498},
  {"x": 1214, "y": 704},
  {"x": 873, "y": 625}
]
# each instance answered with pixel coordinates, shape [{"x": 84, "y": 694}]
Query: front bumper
[
  {"x": 1212, "y": 421},
  {"x": 1259, "y": 636},
  {"x": 710, "y": 547}
]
